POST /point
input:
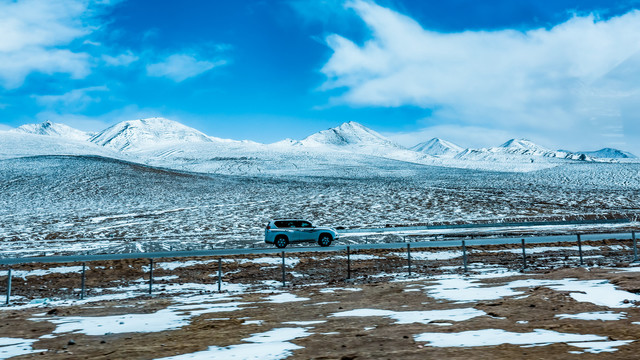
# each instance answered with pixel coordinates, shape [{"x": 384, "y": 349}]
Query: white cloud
[
  {"x": 4, "y": 127},
  {"x": 73, "y": 100},
  {"x": 179, "y": 67},
  {"x": 123, "y": 59},
  {"x": 574, "y": 79},
  {"x": 33, "y": 32}
]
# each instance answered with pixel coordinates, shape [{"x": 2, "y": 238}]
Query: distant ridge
[
  {"x": 49, "y": 128},
  {"x": 609, "y": 153},
  {"x": 519, "y": 148},
  {"x": 438, "y": 147},
  {"x": 349, "y": 133},
  {"x": 145, "y": 133}
]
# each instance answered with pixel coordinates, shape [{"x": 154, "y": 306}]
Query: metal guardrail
[
  {"x": 488, "y": 225},
  {"x": 348, "y": 248},
  {"x": 227, "y": 252}
]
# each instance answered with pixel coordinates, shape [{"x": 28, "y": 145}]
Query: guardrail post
[
  {"x": 464, "y": 256},
  {"x": 83, "y": 281},
  {"x": 409, "y": 257},
  {"x": 283, "y": 270},
  {"x": 635, "y": 247},
  {"x": 524, "y": 256},
  {"x": 8, "y": 287},
  {"x": 580, "y": 249},
  {"x": 348, "y": 262},
  {"x": 219, "y": 275},
  {"x": 150, "y": 276}
]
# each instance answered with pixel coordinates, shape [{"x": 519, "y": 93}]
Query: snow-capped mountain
[
  {"x": 518, "y": 150},
  {"x": 348, "y": 134},
  {"x": 49, "y": 128},
  {"x": 354, "y": 138},
  {"x": 133, "y": 135},
  {"x": 522, "y": 146},
  {"x": 350, "y": 148},
  {"x": 438, "y": 147},
  {"x": 609, "y": 153}
]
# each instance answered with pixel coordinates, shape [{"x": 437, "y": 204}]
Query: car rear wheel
[
  {"x": 281, "y": 242},
  {"x": 325, "y": 240}
]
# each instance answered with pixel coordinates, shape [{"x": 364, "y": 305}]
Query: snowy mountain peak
[
  {"x": 523, "y": 144},
  {"x": 438, "y": 147},
  {"x": 145, "y": 133},
  {"x": 49, "y": 128},
  {"x": 609, "y": 153},
  {"x": 349, "y": 133}
]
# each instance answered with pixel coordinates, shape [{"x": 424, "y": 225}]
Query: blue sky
[{"x": 562, "y": 73}]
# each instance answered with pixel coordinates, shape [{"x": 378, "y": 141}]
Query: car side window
[{"x": 305, "y": 224}]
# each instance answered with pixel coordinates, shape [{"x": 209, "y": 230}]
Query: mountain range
[{"x": 167, "y": 143}]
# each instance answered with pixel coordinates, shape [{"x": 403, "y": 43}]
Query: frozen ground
[{"x": 62, "y": 204}]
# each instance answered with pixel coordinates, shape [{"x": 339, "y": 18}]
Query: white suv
[{"x": 282, "y": 232}]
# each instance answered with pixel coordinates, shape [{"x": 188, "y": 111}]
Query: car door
[
  {"x": 288, "y": 228},
  {"x": 306, "y": 231}
]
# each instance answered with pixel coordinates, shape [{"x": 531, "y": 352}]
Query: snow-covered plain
[{"x": 70, "y": 204}]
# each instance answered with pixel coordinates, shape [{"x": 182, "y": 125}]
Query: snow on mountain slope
[
  {"x": 53, "y": 129},
  {"x": 348, "y": 134},
  {"x": 274, "y": 159},
  {"x": 519, "y": 145},
  {"x": 19, "y": 144},
  {"x": 350, "y": 149},
  {"x": 519, "y": 151},
  {"x": 438, "y": 147},
  {"x": 352, "y": 137},
  {"x": 133, "y": 135},
  {"x": 609, "y": 153}
]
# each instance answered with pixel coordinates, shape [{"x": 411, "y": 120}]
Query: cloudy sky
[{"x": 564, "y": 74}]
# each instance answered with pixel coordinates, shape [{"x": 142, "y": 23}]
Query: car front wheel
[
  {"x": 325, "y": 240},
  {"x": 281, "y": 242}
]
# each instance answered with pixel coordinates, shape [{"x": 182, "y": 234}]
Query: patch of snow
[
  {"x": 304, "y": 323},
  {"x": 542, "y": 249},
  {"x": 421, "y": 317},
  {"x": 440, "y": 255},
  {"x": 334, "y": 289},
  {"x": 597, "y": 315},
  {"x": 170, "y": 318},
  {"x": 172, "y": 265},
  {"x": 599, "y": 292},
  {"x": 596, "y": 347},
  {"x": 284, "y": 298},
  {"x": 42, "y": 272},
  {"x": 271, "y": 345},
  {"x": 459, "y": 289},
  {"x": 538, "y": 337},
  {"x": 10, "y": 347},
  {"x": 357, "y": 257}
]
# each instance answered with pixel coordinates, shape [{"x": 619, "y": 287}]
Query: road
[{"x": 300, "y": 249}]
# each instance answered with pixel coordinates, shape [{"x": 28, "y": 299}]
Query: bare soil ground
[{"x": 379, "y": 285}]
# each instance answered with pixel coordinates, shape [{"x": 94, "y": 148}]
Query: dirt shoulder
[{"x": 380, "y": 313}]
